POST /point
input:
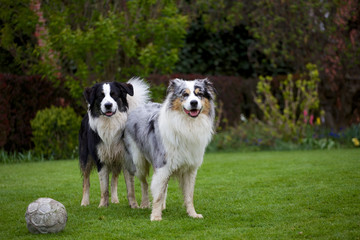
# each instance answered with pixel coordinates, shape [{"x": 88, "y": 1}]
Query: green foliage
[
  {"x": 222, "y": 52},
  {"x": 158, "y": 92},
  {"x": 108, "y": 42},
  {"x": 353, "y": 131},
  {"x": 293, "y": 33},
  {"x": 288, "y": 122},
  {"x": 247, "y": 136},
  {"x": 251, "y": 135},
  {"x": 216, "y": 14},
  {"x": 55, "y": 133},
  {"x": 18, "y": 157},
  {"x": 17, "y": 39},
  {"x": 313, "y": 143}
]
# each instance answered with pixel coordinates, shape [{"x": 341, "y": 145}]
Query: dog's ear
[
  {"x": 209, "y": 86},
  {"x": 89, "y": 95},
  {"x": 172, "y": 85},
  {"x": 127, "y": 87}
]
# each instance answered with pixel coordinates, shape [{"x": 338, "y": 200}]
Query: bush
[
  {"x": 158, "y": 92},
  {"x": 20, "y": 99},
  {"x": 287, "y": 119},
  {"x": 225, "y": 51},
  {"x": 55, "y": 133},
  {"x": 91, "y": 42},
  {"x": 249, "y": 135}
]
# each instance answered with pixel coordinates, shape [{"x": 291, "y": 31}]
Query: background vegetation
[
  {"x": 63, "y": 125},
  {"x": 239, "y": 45}
]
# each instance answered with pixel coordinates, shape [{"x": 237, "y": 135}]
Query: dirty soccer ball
[{"x": 45, "y": 215}]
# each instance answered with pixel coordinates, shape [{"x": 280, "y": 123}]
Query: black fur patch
[{"x": 151, "y": 126}]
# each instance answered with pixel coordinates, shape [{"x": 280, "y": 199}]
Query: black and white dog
[
  {"x": 101, "y": 136},
  {"x": 172, "y": 137}
]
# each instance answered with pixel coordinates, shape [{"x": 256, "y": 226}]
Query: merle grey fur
[
  {"x": 142, "y": 124},
  {"x": 142, "y": 127}
]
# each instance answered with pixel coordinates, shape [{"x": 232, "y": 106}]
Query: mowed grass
[{"x": 263, "y": 195}]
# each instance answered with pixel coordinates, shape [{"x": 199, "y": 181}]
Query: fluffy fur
[
  {"x": 101, "y": 136},
  {"x": 171, "y": 137}
]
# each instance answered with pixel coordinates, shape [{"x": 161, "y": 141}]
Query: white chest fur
[
  {"x": 110, "y": 130},
  {"x": 184, "y": 138}
]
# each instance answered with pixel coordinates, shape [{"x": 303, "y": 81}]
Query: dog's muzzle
[
  {"x": 109, "y": 112},
  {"x": 193, "y": 112}
]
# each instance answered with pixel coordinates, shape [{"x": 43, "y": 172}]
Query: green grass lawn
[{"x": 263, "y": 195}]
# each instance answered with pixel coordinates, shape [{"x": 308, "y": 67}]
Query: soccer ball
[{"x": 45, "y": 215}]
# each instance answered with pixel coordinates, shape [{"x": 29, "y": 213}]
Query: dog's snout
[
  {"x": 194, "y": 103},
  {"x": 108, "y": 106}
]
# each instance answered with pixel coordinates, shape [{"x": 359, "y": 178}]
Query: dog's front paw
[
  {"x": 155, "y": 217},
  {"x": 195, "y": 215},
  {"x": 103, "y": 203},
  {"x": 134, "y": 205},
  {"x": 144, "y": 205}
]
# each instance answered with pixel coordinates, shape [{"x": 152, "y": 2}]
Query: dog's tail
[{"x": 141, "y": 93}]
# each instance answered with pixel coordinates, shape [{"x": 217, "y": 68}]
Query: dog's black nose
[
  {"x": 108, "y": 106},
  {"x": 193, "y": 103}
]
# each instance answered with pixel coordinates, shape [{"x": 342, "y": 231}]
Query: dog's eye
[
  {"x": 112, "y": 94},
  {"x": 185, "y": 94},
  {"x": 200, "y": 95},
  {"x": 103, "y": 94}
]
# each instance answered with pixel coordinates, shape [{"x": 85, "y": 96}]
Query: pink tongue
[
  {"x": 194, "y": 113},
  {"x": 108, "y": 113}
]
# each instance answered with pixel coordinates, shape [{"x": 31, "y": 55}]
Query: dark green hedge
[{"x": 20, "y": 99}]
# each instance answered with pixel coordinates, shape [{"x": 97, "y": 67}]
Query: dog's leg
[
  {"x": 164, "y": 202},
  {"x": 104, "y": 186},
  {"x": 86, "y": 183},
  {"x": 145, "y": 203},
  {"x": 86, "y": 190},
  {"x": 142, "y": 171},
  {"x": 159, "y": 183},
  {"x": 129, "y": 180},
  {"x": 114, "y": 186},
  {"x": 187, "y": 183}
]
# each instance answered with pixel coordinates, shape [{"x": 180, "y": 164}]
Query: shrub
[
  {"x": 55, "y": 132},
  {"x": 158, "y": 92},
  {"x": 225, "y": 51},
  {"x": 4, "y": 114},
  {"x": 20, "y": 99},
  {"x": 97, "y": 42},
  {"x": 248, "y": 135},
  {"x": 252, "y": 136},
  {"x": 344, "y": 136},
  {"x": 288, "y": 120}
]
